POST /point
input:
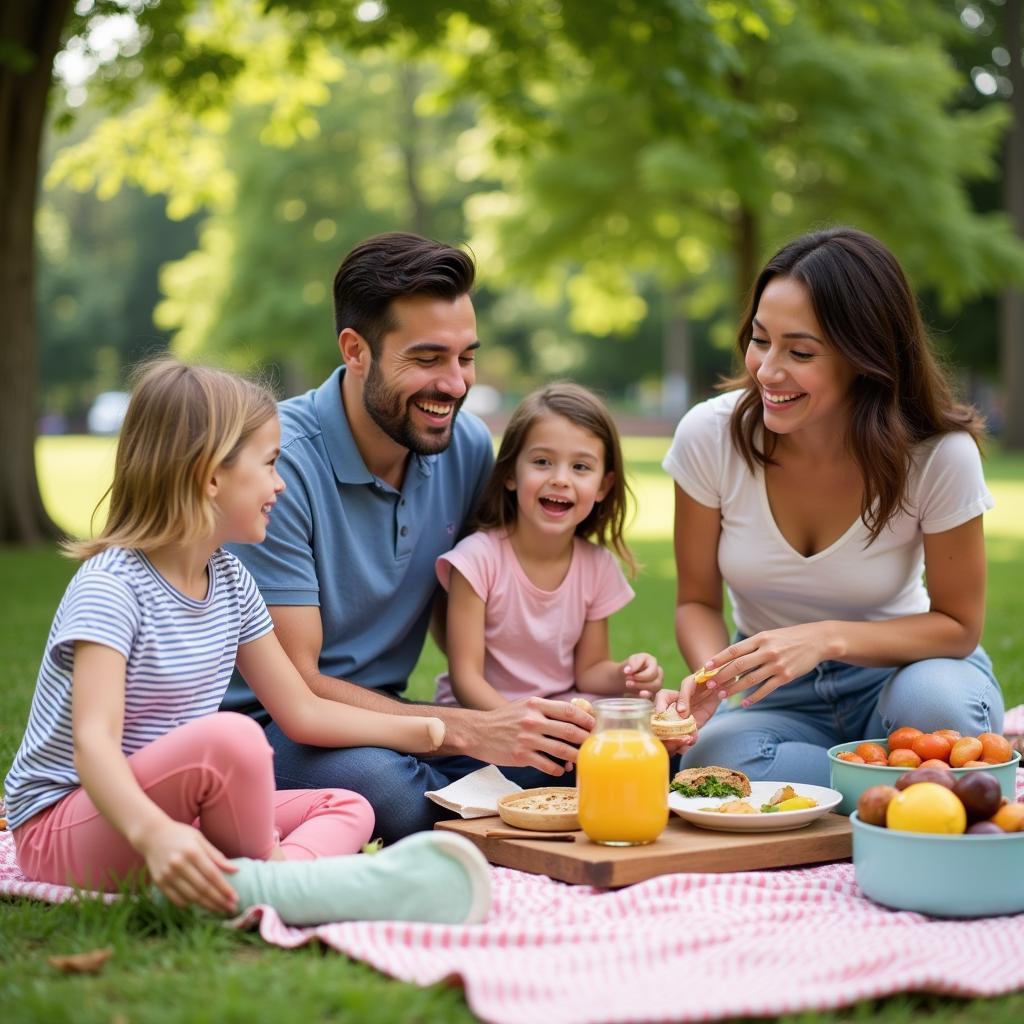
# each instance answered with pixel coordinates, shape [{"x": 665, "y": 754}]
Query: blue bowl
[
  {"x": 944, "y": 876},
  {"x": 852, "y": 779}
]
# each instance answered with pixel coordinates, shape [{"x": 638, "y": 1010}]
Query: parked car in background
[{"x": 106, "y": 414}]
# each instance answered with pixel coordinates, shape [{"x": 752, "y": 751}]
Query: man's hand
[
  {"x": 544, "y": 734},
  {"x": 188, "y": 868}
]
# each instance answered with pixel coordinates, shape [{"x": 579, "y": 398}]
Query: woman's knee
[
  {"x": 942, "y": 693},
  {"x": 720, "y": 744}
]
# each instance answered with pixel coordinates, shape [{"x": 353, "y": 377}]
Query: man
[{"x": 382, "y": 472}]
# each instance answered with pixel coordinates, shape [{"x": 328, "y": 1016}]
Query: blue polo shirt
[{"x": 347, "y": 542}]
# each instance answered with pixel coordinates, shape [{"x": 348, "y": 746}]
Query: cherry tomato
[
  {"x": 903, "y": 738},
  {"x": 873, "y": 753},
  {"x": 968, "y": 748},
  {"x": 904, "y": 758},
  {"x": 929, "y": 746},
  {"x": 995, "y": 749}
]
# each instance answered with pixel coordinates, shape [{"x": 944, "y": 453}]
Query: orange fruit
[
  {"x": 966, "y": 749},
  {"x": 851, "y": 757},
  {"x": 904, "y": 758},
  {"x": 930, "y": 745},
  {"x": 995, "y": 749},
  {"x": 934, "y": 762},
  {"x": 903, "y": 738},
  {"x": 873, "y": 753},
  {"x": 1010, "y": 817},
  {"x": 976, "y": 764},
  {"x": 927, "y": 807},
  {"x": 951, "y": 734}
]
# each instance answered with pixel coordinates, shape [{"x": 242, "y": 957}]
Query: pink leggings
[{"x": 215, "y": 773}]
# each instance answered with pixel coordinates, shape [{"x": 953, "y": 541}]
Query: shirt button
[
  {"x": 403, "y": 531},
  {"x": 401, "y": 502}
]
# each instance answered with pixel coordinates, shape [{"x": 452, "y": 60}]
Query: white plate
[{"x": 690, "y": 808}]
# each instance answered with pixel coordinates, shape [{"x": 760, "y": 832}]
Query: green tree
[
  {"x": 257, "y": 289},
  {"x": 202, "y": 54},
  {"x": 828, "y": 119}
]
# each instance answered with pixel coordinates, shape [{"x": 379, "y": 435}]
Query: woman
[{"x": 839, "y": 469}]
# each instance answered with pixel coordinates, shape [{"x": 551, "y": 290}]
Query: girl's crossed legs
[{"x": 216, "y": 773}]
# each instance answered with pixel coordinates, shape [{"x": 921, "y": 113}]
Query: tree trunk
[
  {"x": 419, "y": 208},
  {"x": 677, "y": 357},
  {"x": 747, "y": 256},
  {"x": 1011, "y": 320},
  {"x": 31, "y": 37}
]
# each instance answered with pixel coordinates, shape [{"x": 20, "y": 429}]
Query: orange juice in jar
[{"x": 622, "y": 776}]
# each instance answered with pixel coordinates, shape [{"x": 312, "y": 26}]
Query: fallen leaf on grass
[{"x": 82, "y": 963}]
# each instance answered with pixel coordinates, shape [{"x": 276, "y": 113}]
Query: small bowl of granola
[{"x": 547, "y": 809}]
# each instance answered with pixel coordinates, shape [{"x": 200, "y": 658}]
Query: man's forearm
[{"x": 457, "y": 721}]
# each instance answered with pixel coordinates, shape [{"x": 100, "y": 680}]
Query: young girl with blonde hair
[
  {"x": 127, "y": 769},
  {"x": 530, "y": 593}
]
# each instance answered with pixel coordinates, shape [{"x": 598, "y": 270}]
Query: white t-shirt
[{"x": 771, "y": 584}]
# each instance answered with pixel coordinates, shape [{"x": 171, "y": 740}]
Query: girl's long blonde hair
[
  {"x": 183, "y": 422},
  {"x": 606, "y": 522}
]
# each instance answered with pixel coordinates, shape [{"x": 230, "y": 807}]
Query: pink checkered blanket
[{"x": 683, "y": 947}]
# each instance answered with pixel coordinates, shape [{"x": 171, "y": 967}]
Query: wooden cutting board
[{"x": 681, "y": 847}]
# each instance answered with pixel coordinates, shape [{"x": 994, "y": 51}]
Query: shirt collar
[{"x": 346, "y": 461}]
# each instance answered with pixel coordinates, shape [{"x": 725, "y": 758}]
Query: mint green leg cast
[{"x": 434, "y": 877}]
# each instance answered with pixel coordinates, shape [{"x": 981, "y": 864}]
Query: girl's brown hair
[
  {"x": 900, "y": 397},
  {"x": 182, "y": 423},
  {"x": 607, "y": 519}
]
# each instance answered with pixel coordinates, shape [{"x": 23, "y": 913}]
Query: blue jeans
[
  {"x": 784, "y": 737},
  {"x": 393, "y": 783}
]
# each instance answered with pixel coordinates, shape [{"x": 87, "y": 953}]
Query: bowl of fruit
[
  {"x": 855, "y": 767},
  {"x": 940, "y": 844}
]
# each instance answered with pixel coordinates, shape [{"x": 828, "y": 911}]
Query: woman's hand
[
  {"x": 188, "y": 868},
  {"x": 766, "y": 661},
  {"x": 644, "y": 676}
]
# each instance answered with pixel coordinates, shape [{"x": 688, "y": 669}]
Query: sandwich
[
  {"x": 670, "y": 725},
  {"x": 710, "y": 781}
]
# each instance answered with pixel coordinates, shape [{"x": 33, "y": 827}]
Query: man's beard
[{"x": 387, "y": 409}]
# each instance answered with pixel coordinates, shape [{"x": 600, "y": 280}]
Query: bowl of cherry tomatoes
[{"x": 857, "y": 766}]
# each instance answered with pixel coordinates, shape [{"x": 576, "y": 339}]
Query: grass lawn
[{"x": 170, "y": 966}]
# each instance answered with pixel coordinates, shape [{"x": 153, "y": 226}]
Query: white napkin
[{"x": 475, "y": 795}]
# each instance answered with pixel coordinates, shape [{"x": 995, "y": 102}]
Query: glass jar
[{"x": 622, "y": 775}]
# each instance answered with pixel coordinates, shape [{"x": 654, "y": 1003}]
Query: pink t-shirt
[{"x": 530, "y": 635}]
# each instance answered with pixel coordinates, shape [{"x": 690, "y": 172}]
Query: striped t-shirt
[{"x": 180, "y": 654}]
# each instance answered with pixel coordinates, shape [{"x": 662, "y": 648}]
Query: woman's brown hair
[
  {"x": 901, "y": 395},
  {"x": 182, "y": 423},
  {"x": 607, "y": 519}
]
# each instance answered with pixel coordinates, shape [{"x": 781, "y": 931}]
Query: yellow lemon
[
  {"x": 797, "y": 803},
  {"x": 927, "y": 807}
]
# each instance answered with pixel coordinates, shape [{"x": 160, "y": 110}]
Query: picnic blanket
[{"x": 682, "y": 947}]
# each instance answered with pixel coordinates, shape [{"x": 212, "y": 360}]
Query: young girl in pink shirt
[
  {"x": 530, "y": 593},
  {"x": 127, "y": 771}
]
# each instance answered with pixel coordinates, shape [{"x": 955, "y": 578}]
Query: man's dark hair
[{"x": 393, "y": 266}]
